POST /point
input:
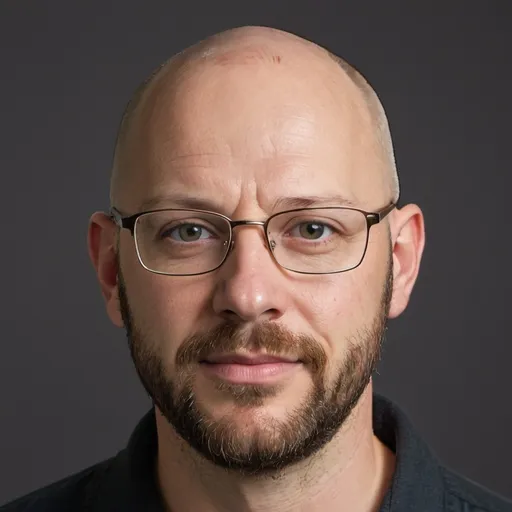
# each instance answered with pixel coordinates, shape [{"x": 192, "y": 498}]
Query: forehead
[{"x": 265, "y": 130}]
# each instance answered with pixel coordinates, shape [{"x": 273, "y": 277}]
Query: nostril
[
  {"x": 272, "y": 314},
  {"x": 234, "y": 317}
]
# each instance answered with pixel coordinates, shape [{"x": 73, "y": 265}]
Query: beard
[{"x": 274, "y": 444}]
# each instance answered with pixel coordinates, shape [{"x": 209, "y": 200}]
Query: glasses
[{"x": 184, "y": 242}]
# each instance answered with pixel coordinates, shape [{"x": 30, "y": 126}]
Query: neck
[{"x": 352, "y": 473}]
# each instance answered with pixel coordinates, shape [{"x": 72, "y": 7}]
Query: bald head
[{"x": 243, "y": 47}]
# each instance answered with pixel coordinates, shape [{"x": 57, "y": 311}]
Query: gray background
[{"x": 68, "y": 392}]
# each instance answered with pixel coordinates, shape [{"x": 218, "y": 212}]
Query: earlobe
[
  {"x": 408, "y": 238},
  {"x": 101, "y": 240}
]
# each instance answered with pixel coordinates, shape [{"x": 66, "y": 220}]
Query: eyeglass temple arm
[
  {"x": 383, "y": 213},
  {"x": 375, "y": 218},
  {"x": 123, "y": 222}
]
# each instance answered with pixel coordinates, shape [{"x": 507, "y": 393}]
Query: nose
[{"x": 251, "y": 285}]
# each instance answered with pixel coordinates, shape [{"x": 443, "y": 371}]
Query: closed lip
[{"x": 248, "y": 359}]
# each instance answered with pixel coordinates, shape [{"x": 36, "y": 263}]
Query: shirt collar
[
  {"x": 129, "y": 482},
  {"x": 417, "y": 483}
]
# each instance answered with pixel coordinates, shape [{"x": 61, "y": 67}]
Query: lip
[
  {"x": 261, "y": 370},
  {"x": 256, "y": 359}
]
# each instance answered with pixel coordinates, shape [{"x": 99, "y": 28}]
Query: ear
[
  {"x": 101, "y": 240},
  {"x": 408, "y": 239}
]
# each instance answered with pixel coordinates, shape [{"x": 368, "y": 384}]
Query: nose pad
[{"x": 231, "y": 245}]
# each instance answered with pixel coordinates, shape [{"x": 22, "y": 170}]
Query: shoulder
[
  {"x": 462, "y": 494},
  {"x": 66, "y": 495}
]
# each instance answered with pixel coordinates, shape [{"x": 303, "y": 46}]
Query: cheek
[
  {"x": 333, "y": 302},
  {"x": 340, "y": 305},
  {"x": 166, "y": 309}
]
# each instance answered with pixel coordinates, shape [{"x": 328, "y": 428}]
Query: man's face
[{"x": 243, "y": 138}]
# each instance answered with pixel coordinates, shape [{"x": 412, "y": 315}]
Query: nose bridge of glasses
[
  {"x": 239, "y": 223},
  {"x": 236, "y": 223}
]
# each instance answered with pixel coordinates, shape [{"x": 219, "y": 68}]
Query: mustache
[{"x": 268, "y": 337}]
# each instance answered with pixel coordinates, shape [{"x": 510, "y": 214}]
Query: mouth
[{"x": 249, "y": 368}]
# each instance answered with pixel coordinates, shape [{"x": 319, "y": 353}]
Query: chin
[{"x": 223, "y": 395}]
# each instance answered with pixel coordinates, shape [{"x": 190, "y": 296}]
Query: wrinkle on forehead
[{"x": 299, "y": 104}]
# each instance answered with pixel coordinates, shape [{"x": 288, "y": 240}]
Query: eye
[
  {"x": 187, "y": 233},
  {"x": 311, "y": 230}
]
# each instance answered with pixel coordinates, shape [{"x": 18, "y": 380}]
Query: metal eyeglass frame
[{"x": 128, "y": 222}]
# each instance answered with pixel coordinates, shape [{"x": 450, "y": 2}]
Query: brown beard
[{"x": 277, "y": 443}]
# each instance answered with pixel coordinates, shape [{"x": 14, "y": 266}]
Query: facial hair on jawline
[{"x": 277, "y": 443}]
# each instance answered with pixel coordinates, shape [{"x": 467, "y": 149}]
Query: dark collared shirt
[{"x": 126, "y": 482}]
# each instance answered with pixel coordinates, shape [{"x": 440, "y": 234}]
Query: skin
[{"x": 263, "y": 116}]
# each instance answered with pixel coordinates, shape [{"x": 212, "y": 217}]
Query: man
[{"x": 254, "y": 252}]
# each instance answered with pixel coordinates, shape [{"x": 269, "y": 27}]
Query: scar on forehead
[{"x": 247, "y": 55}]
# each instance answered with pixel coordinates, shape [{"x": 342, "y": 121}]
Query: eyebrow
[
  {"x": 180, "y": 201},
  {"x": 283, "y": 203},
  {"x": 280, "y": 204}
]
